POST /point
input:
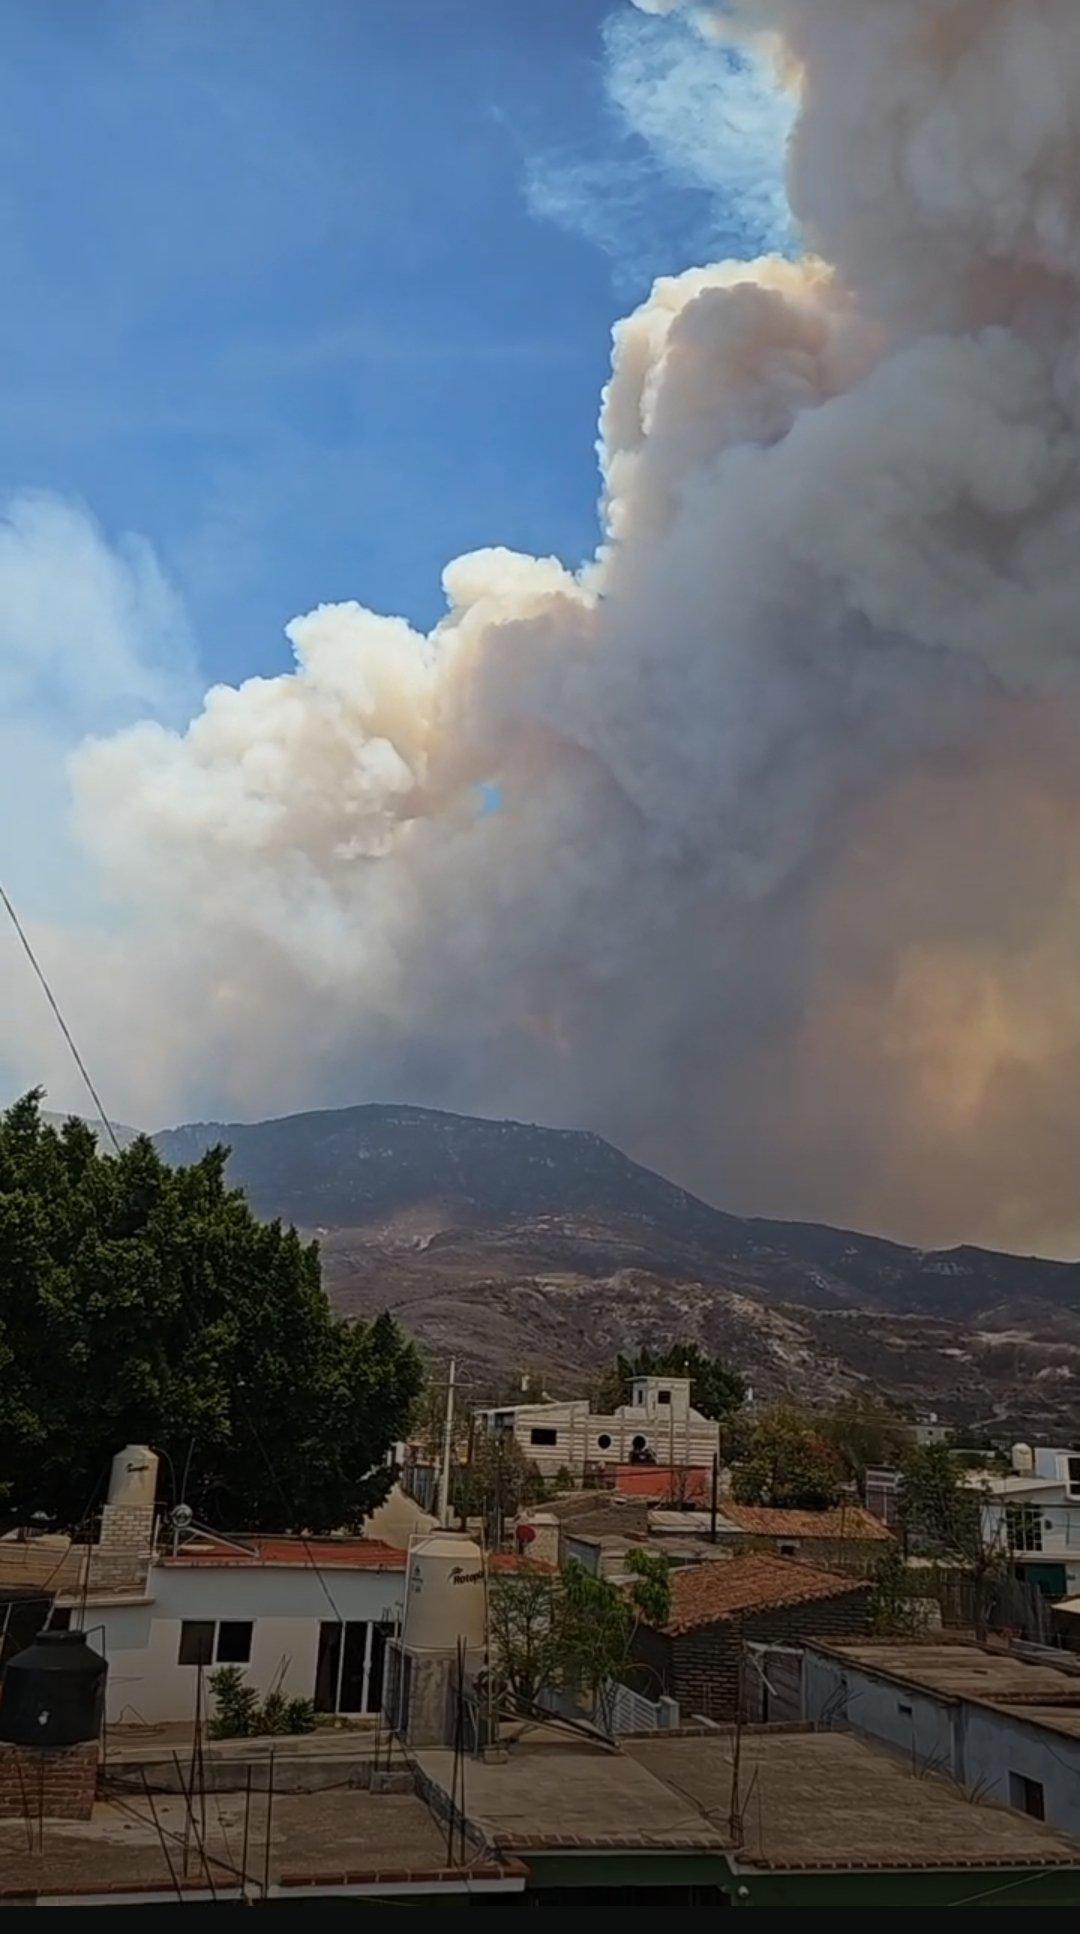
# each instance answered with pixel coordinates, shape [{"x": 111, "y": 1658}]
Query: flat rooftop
[
  {"x": 968, "y": 1671},
  {"x": 831, "y": 1800},
  {"x": 824, "y": 1800},
  {"x": 318, "y": 1838},
  {"x": 557, "y": 1791}
]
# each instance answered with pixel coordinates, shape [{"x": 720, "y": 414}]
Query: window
[
  {"x": 196, "y": 1642},
  {"x": 906, "y": 1711},
  {"x": 233, "y": 1641},
  {"x": 639, "y": 1443},
  {"x": 204, "y": 1642},
  {"x": 1074, "y": 1476},
  {"x": 1023, "y": 1526},
  {"x": 603, "y": 1442},
  {"x": 787, "y": 1547},
  {"x": 1027, "y": 1795},
  {"x": 663, "y": 1396},
  {"x": 545, "y": 1436}
]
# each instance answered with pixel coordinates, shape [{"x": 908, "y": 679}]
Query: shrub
[{"x": 239, "y": 1715}]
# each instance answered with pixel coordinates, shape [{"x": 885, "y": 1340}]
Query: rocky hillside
[
  {"x": 414, "y": 1175},
  {"x": 515, "y": 1245}
]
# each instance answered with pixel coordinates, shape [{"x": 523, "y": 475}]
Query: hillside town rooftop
[{"x": 754, "y": 1582}]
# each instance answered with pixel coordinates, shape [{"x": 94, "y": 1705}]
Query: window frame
[
  {"x": 235, "y": 1625},
  {"x": 1024, "y": 1527},
  {"x": 203, "y": 1625},
  {"x": 1027, "y": 1795}
]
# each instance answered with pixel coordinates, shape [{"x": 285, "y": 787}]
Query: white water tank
[
  {"x": 445, "y": 1598},
  {"x": 133, "y": 1479},
  {"x": 1023, "y": 1460}
]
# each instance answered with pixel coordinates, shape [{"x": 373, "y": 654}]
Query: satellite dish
[{"x": 181, "y": 1516}]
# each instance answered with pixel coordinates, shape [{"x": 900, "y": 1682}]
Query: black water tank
[{"x": 53, "y": 1694}]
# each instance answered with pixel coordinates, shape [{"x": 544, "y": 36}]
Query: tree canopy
[
  {"x": 567, "y": 1629},
  {"x": 715, "y": 1389},
  {"x": 864, "y": 1431},
  {"x": 789, "y": 1463},
  {"x": 940, "y": 1513},
  {"x": 496, "y": 1482},
  {"x": 146, "y": 1304}
]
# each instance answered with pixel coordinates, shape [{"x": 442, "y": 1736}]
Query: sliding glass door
[{"x": 349, "y": 1671}]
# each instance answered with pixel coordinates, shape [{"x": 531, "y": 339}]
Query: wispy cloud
[{"x": 693, "y": 162}]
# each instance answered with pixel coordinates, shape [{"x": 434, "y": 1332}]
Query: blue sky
[{"x": 315, "y": 296}]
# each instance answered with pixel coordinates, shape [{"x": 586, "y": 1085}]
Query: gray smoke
[{"x": 782, "y": 885}]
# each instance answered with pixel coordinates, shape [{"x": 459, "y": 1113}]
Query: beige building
[{"x": 658, "y": 1426}]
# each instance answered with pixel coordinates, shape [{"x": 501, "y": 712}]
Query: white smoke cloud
[
  {"x": 691, "y": 162},
  {"x": 783, "y": 888},
  {"x": 90, "y": 638}
]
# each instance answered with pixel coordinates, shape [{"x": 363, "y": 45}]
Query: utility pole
[{"x": 448, "y": 1438}]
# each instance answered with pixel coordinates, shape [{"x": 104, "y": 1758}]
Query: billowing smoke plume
[{"x": 756, "y": 843}]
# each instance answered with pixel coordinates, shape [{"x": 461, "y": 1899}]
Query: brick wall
[
  {"x": 55, "y": 1783},
  {"x": 120, "y": 1560},
  {"x": 702, "y": 1669}
]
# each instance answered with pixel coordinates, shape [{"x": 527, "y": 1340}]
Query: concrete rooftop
[
  {"x": 554, "y": 1790},
  {"x": 965, "y": 1671},
  {"x": 310, "y": 1835},
  {"x": 830, "y": 1800},
  {"x": 824, "y": 1800}
]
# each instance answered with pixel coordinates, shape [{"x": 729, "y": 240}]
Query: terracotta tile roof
[
  {"x": 350, "y": 1554},
  {"x": 843, "y": 1521},
  {"x": 355, "y": 1554},
  {"x": 724, "y": 1588}
]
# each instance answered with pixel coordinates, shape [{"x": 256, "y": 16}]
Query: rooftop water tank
[
  {"x": 53, "y": 1694},
  {"x": 133, "y": 1479},
  {"x": 1023, "y": 1460},
  {"x": 445, "y": 1598}
]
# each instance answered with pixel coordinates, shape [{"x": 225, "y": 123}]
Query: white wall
[
  {"x": 977, "y": 1745},
  {"x": 673, "y": 1437},
  {"x": 285, "y": 1603},
  {"x": 917, "y": 1724}
]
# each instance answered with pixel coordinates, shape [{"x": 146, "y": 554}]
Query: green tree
[
  {"x": 789, "y": 1463},
  {"x": 570, "y": 1630},
  {"x": 892, "y": 1613},
  {"x": 939, "y": 1512},
  {"x": 715, "y": 1389},
  {"x": 942, "y": 1516},
  {"x": 864, "y": 1432},
  {"x": 142, "y": 1303},
  {"x": 650, "y": 1593},
  {"x": 496, "y": 1482},
  {"x": 596, "y": 1629},
  {"x": 523, "y": 1614}
]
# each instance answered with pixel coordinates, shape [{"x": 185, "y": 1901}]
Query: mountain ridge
[{"x": 512, "y": 1244}]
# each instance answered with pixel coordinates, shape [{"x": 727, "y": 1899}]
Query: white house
[
  {"x": 309, "y": 1617},
  {"x": 306, "y": 1616},
  {"x": 1033, "y": 1513},
  {"x": 658, "y": 1426}
]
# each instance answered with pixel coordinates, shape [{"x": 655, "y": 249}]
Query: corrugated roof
[
  {"x": 843, "y": 1521},
  {"x": 756, "y": 1581}
]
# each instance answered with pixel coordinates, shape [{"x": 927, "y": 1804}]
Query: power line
[{"x": 64, "y": 1029}]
